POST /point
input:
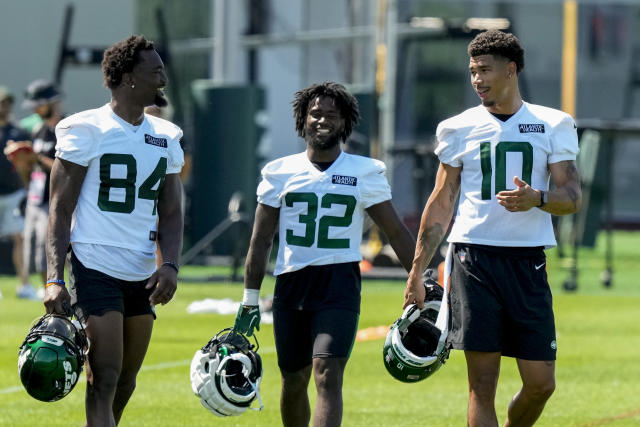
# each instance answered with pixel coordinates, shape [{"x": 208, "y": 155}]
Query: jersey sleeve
[
  {"x": 270, "y": 187},
  {"x": 75, "y": 142},
  {"x": 374, "y": 185},
  {"x": 564, "y": 141},
  {"x": 176, "y": 154},
  {"x": 447, "y": 149}
]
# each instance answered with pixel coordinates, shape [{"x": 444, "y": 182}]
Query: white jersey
[
  {"x": 491, "y": 152},
  {"x": 117, "y": 206},
  {"x": 321, "y": 212}
]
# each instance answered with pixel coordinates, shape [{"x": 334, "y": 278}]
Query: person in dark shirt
[
  {"x": 44, "y": 98},
  {"x": 12, "y": 191}
]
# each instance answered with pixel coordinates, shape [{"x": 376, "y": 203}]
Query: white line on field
[{"x": 156, "y": 367}]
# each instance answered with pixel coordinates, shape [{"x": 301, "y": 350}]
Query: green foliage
[{"x": 597, "y": 369}]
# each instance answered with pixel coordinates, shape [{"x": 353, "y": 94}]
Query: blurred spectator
[
  {"x": 30, "y": 122},
  {"x": 44, "y": 98},
  {"x": 12, "y": 191}
]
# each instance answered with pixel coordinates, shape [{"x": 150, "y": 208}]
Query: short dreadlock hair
[
  {"x": 121, "y": 57},
  {"x": 495, "y": 42},
  {"x": 346, "y": 103}
]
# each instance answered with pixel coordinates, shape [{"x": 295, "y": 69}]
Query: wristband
[
  {"x": 171, "y": 264},
  {"x": 54, "y": 282},
  {"x": 543, "y": 198},
  {"x": 250, "y": 297}
]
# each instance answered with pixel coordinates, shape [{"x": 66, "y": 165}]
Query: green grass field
[{"x": 597, "y": 367}]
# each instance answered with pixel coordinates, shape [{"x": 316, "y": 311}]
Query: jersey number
[
  {"x": 326, "y": 221},
  {"x": 145, "y": 191},
  {"x": 502, "y": 148}
]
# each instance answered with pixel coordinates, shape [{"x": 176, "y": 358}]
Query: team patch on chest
[
  {"x": 152, "y": 140},
  {"x": 344, "y": 180},
  {"x": 531, "y": 127}
]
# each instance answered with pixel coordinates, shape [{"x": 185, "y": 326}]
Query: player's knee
[
  {"x": 104, "y": 380},
  {"x": 483, "y": 387},
  {"x": 540, "y": 391},
  {"x": 295, "y": 382},
  {"x": 126, "y": 385},
  {"x": 328, "y": 376}
]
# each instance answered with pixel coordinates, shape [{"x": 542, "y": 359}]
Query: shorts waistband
[{"x": 507, "y": 251}]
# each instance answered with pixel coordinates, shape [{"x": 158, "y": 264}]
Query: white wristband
[{"x": 251, "y": 297}]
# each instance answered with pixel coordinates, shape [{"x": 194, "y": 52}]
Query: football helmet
[
  {"x": 226, "y": 373},
  {"x": 51, "y": 358},
  {"x": 415, "y": 346}
]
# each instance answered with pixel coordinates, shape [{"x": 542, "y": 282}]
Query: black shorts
[
  {"x": 303, "y": 335},
  {"x": 501, "y": 302},
  {"x": 319, "y": 287},
  {"x": 93, "y": 293}
]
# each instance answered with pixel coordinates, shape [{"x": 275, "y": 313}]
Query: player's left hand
[
  {"x": 521, "y": 199},
  {"x": 165, "y": 280}
]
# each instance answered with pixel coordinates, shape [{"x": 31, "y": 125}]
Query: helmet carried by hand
[
  {"x": 415, "y": 348},
  {"x": 226, "y": 374},
  {"x": 51, "y": 358}
]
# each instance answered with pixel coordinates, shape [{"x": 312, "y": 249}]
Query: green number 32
[
  {"x": 145, "y": 191},
  {"x": 502, "y": 148},
  {"x": 326, "y": 221}
]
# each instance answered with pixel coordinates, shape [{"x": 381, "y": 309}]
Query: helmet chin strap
[
  {"x": 256, "y": 389},
  {"x": 442, "y": 322}
]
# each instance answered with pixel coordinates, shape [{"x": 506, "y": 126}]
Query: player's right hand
[
  {"x": 247, "y": 319},
  {"x": 415, "y": 292},
  {"x": 57, "y": 300}
]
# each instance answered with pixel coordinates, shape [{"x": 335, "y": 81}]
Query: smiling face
[
  {"x": 149, "y": 79},
  {"x": 493, "y": 80},
  {"x": 324, "y": 123}
]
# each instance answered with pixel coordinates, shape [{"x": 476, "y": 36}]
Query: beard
[
  {"x": 324, "y": 143},
  {"x": 160, "y": 100},
  {"x": 47, "y": 113},
  {"x": 488, "y": 102}
]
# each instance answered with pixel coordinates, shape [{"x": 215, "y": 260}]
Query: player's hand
[
  {"x": 521, "y": 199},
  {"x": 247, "y": 319},
  {"x": 415, "y": 292},
  {"x": 57, "y": 300},
  {"x": 165, "y": 280}
]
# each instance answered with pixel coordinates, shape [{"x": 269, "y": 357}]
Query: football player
[
  {"x": 316, "y": 200},
  {"x": 116, "y": 172},
  {"x": 499, "y": 156}
]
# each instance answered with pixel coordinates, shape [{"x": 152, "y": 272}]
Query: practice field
[{"x": 597, "y": 367}]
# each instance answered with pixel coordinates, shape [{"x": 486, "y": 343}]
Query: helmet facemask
[
  {"x": 226, "y": 374},
  {"x": 415, "y": 346}
]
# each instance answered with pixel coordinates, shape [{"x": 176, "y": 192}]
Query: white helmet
[
  {"x": 226, "y": 374},
  {"x": 416, "y": 344},
  {"x": 415, "y": 347}
]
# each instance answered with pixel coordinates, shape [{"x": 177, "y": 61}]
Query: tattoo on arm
[
  {"x": 430, "y": 238},
  {"x": 572, "y": 172},
  {"x": 573, "y": 176}
]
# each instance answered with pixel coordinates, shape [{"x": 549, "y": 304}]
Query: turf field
[{"x": 597, "y": 367}]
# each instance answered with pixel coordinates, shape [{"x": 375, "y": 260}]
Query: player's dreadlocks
[
  {"x": 346, "y": 103},
  {"x": 495, "y": 42},
  {"x": 121, "y": 57}
]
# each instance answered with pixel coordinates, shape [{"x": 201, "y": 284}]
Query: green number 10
[{"x": 502, "y": 148}]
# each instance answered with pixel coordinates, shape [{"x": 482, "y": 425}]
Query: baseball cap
[
  {"x": 40, "y": 92},
  {"x": 4, "y": 94}
]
